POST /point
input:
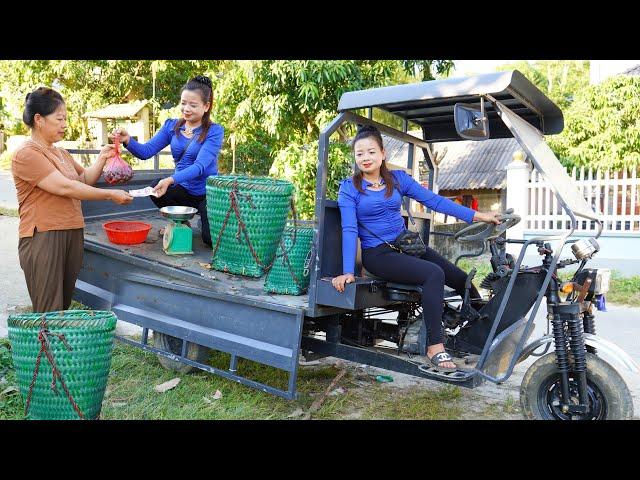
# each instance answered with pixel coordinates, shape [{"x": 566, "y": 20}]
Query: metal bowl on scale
[{"x": 179, "y": 213}]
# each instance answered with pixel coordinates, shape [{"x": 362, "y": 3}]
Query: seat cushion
[
  {"x": 448, "y": 292},
  {"x": 405, "y": 286}
]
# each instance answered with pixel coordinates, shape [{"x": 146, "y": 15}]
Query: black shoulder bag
[
  {"x": 407, "y": 242},
  {"x": 185, "y": 148}
]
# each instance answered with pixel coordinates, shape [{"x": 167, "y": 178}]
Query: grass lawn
[
  {"x": 134, "y": 373},
  {"x": 9, "y": 212},
  {"x": 130, "y": 393},
  {"x": 5, "y": 161},
  {"x": 624, "y": 290}
]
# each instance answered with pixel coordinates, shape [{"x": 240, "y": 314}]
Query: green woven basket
[
  {"x": 84, "y": 369},
  {"x": 290, "y": 272},
  {"x": 263, "y": 206}
]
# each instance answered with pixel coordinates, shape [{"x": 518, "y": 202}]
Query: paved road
[
  {"x": 619, "y": 324},
  {"x": 7, "y": 190},
  {"x": 13, "y": 289}
]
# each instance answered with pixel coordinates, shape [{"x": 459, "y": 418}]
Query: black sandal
[{"x": 437, "y": 359}]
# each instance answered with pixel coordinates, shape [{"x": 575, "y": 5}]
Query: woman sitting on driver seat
[{"x": 371, "y": 199}]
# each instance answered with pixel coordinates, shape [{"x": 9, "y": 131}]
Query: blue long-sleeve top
[
  {"x": 382, "y": 215},
  {"x": 199, "y": 161}
]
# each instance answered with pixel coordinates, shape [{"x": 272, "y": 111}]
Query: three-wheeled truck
[{"x": 191, "y": 309}]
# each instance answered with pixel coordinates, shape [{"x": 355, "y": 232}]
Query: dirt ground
[{"x": 489, "y": 401}]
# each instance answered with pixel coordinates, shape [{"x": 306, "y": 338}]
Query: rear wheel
[
  {"x": 608, "y": 394},
  {"x": 165, "y": 342}
]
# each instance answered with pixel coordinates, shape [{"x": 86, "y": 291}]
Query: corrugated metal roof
[
  {"x": 397, "y": 151},
  {"x": 118, "y": 110},
  {"x": 463, "y": 164},
  {"x": 633, "y": 70},
  {"x": 475, "y": 165}
]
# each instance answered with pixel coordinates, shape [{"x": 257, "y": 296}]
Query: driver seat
[{"x": 405, "y": 291}]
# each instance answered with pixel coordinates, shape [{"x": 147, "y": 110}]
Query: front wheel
[{"x": 609, "y": 396}]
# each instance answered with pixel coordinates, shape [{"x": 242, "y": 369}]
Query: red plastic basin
[{"x": 125, "y": 232}]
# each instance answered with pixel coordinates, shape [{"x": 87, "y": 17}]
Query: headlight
[
  {"x": 603, "y": 276},
  {"x": 585, "y": 248}
]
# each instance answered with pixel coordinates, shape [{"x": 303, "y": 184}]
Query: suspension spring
[
  {"x": 576, "y": 342},
  {"x": 589, "y": 323},
  {"x": 560, "y": 341}
]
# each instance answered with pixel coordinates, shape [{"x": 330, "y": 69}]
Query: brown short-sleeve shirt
[{"x": 38, "y": 208}]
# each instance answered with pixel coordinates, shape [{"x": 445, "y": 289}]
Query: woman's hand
[
  {"x": 91, "y": 174},
  {"x": 120, "y": 197},
  {"x": 107, "y": 152},
  {"x": 339, "y": 281},
  {"x": 124, "y": 135},
  {"x": 161, "y": 188},
  {"x": 488, "y": 217}
]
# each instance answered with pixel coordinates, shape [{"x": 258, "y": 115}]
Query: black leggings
[
  {"x": 178, "y": 195},
  {"x": 432, "y": 271}
]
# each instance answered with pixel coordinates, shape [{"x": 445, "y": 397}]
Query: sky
[
  {"x": 600, "y": 69},
  {"x": 470, "y": 67}
]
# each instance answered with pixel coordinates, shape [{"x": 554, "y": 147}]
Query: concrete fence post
[{"x": 518, "y": 174}]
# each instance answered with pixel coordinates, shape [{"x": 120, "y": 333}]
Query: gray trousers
[{"x": 51, "y": 262}]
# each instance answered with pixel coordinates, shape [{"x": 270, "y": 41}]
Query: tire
[
  {"x": 609, "y": 396},
  {"x": 195, "y": 352}
]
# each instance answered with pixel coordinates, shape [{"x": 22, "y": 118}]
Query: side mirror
[{"x": 471, "y": 123}]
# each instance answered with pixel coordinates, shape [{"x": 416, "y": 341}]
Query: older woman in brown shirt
[{"x": 50, "y": 185}]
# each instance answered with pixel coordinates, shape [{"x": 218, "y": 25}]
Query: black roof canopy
[{"x": 430, "y": 104}]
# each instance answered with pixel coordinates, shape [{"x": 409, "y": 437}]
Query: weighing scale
[{"x": 178, "y": 237}]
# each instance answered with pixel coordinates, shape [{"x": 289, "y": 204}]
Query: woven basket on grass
[
  {"x": 262, "y": 204},
  {"x": 290, "y": 272},
  {"x": 84, "y": 368}
]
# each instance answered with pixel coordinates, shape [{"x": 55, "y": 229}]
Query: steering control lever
[{"x": 481, "y": 231}]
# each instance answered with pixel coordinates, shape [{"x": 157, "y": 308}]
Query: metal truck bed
[
  {"x": 196, "y": 264},
  {"x": 178, "y": 296}
]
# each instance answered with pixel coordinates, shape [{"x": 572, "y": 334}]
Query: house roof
[
  {"x": 475, "y": 165},
  {"x": 633, "y": 70},
  {"x": 463, "y": 165},
  {"x": 397, "y": 150},
  {"x": 118, "y": 110}
]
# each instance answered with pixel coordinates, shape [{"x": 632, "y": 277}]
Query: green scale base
[{"x": 177, "y": 239}]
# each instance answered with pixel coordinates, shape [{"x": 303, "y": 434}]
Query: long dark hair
[
  {"x": 203, "y": 85},
  {"x": 42, "y": 100},
  {"x": 366, "y": 131}
]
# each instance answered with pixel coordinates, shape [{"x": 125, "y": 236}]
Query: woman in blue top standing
[
  {"x": 370, "y": 209},
  {"x": 195, "y": 143}
]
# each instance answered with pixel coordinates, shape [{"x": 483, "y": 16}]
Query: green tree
[
  {"x": 92, "y": 84},
  {"x": 298, "y": 164},
  {"x": 276, "y": 110},
  {"x": 602, "y": 126},
  {"x": 560, "y": 80},
  {"x": 4, "y": 115},
  {"x": 423, "y": 69},
  {"x": 290, "y": 99}
]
